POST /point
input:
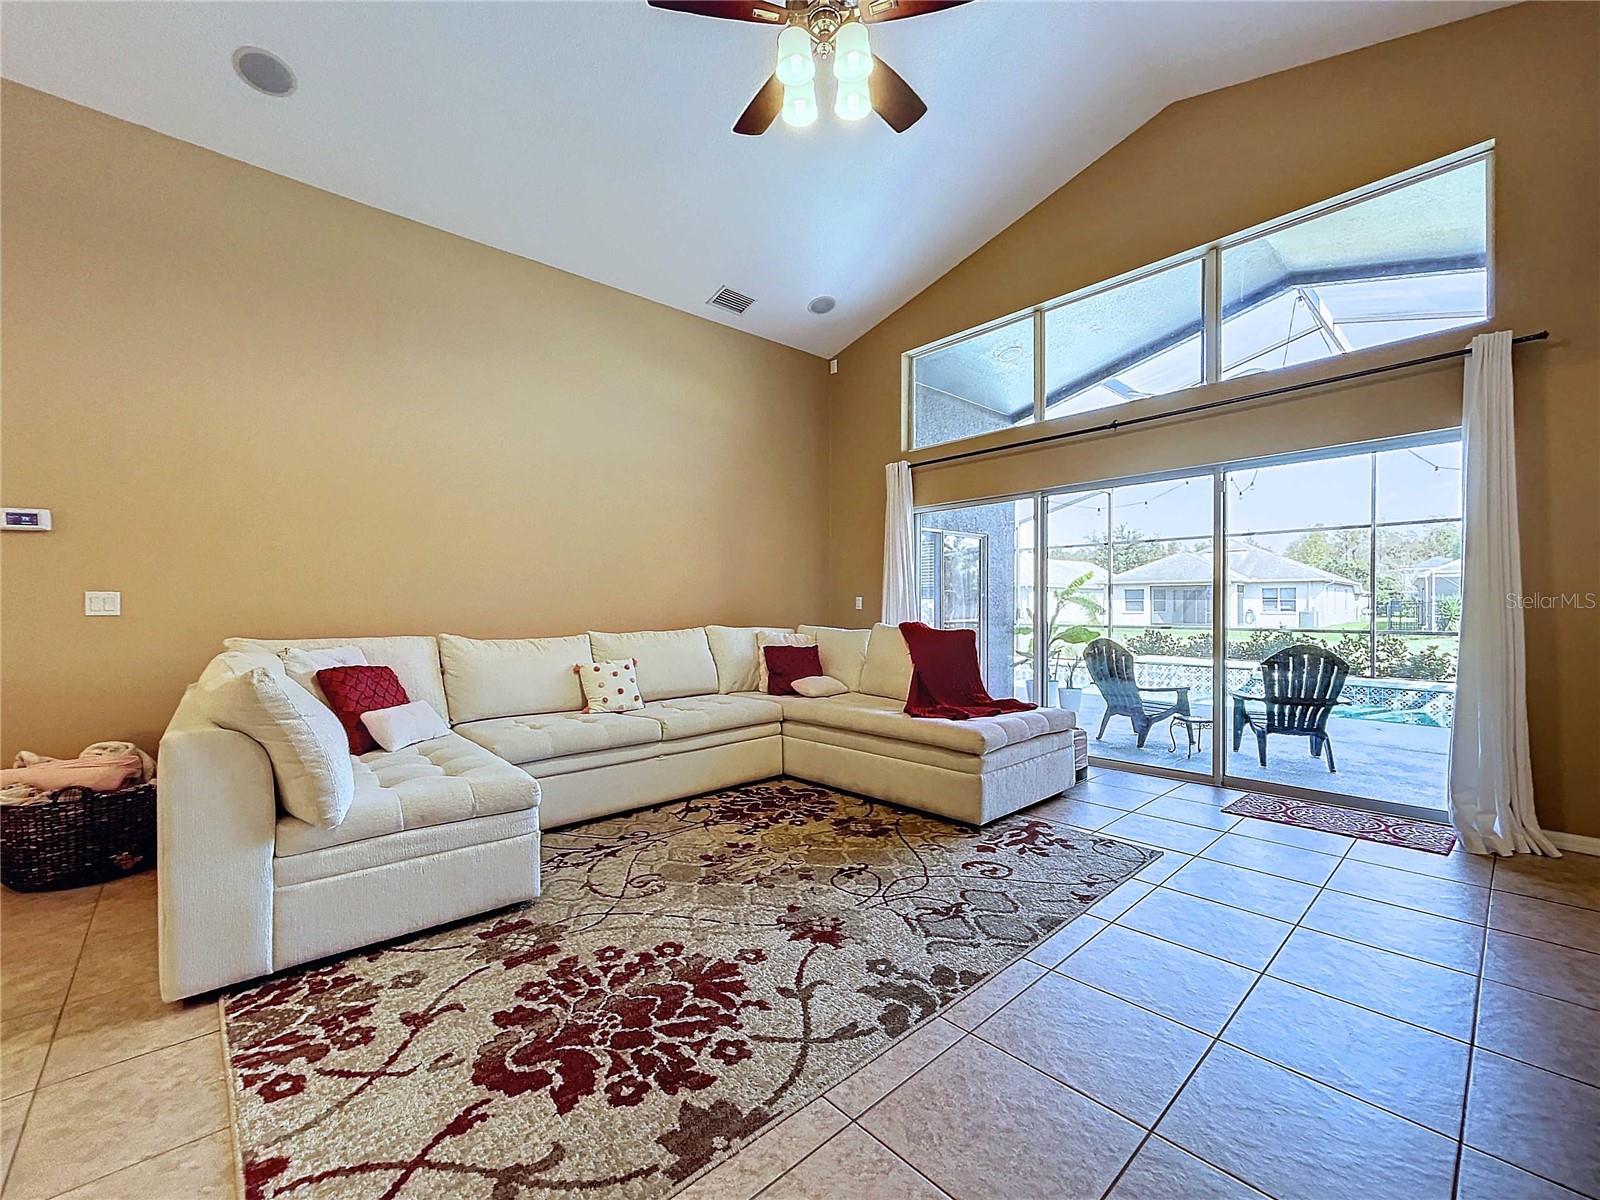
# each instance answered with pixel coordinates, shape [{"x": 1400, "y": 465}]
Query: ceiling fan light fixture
[
  {"x": 796, "y": 67},
  {"x": 852, "y": 53},
  {"x": 853, "y": 100},
  {"x": 800, "y": 105}
]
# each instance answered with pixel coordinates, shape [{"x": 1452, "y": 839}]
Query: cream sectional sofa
[{"x": 450, "y": 827}]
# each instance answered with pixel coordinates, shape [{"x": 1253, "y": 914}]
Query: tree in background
[
  {"x": 1132, "y": 546},
  {"x": 1341, "y": 552}
]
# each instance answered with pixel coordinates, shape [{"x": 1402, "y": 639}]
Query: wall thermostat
[{"x": 30, "y": 519}]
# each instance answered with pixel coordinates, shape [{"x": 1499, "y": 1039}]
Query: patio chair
[
  {"x": 1111, "y": 667},
  {"x": 1302, "y": 685}
]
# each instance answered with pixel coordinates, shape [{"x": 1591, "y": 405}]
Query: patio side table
[{"x": 1195, "y": 725}]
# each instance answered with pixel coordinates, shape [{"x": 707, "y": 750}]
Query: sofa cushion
[
  {"x": 414, "y": 659},
  {"x": 411, "y": 846},
  {"x": 541, "y": 736},
  {"x": 251, "y": 694},
  {"x": 675, "y": 662},
  {"x": 932, "y": 756},
  {"x": 887, "y": 668},
  {"x": 507, "y": 677},
  {"x": 886, "y": 718},
  {"x": 737, "y": 656},
  {"x": 690, "y": 716},
  {"x": 572, "y": 764},
  {"x": 432, "y": 783},
  {"x": 844, "y": 652}
]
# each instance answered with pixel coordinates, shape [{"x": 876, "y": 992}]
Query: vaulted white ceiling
[{"x": 596, "y": 137}]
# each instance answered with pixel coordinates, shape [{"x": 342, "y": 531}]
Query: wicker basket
[{"x": 77, "y": 837}]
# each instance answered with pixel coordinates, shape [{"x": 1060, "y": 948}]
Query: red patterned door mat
[{"x": 1352, "y": 822}]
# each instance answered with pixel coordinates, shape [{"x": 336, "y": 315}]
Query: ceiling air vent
[{"x": 734, "y": 302}]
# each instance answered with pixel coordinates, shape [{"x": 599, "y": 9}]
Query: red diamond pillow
[
  {"x": 352, "y": 691},
  {"x": 785, "y": 664}
]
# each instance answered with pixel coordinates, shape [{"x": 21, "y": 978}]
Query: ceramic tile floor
[{"x": 1264, "y": 1011}]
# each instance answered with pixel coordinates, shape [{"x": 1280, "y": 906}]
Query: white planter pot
[{"x": 1055, "y": 696}]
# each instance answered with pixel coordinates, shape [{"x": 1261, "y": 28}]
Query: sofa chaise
[{"x": 449, "y": 827}]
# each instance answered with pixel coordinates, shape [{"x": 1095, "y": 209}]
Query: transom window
[{"x": 1401, "y": 259}]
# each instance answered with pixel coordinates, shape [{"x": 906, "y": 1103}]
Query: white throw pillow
[
  {"x": 302, "y": 665},
  {"x": 818, "y": 686},
  {"x": 404, "y": 725},
  {"x": 763, "y": 640},
  {"x": 308, "y": 748},
  {"x": 610, "y": 686}
]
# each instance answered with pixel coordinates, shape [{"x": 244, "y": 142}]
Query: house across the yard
[
  {"x": 1267, "y": 590},
  {"x": 1430, "y": 584}
]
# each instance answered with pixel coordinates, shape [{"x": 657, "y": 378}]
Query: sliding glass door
[
  {"x": 1359, "y": 557},
  {"x": 1133, "y": 564},
  {"x": 1117, "y": 601}
]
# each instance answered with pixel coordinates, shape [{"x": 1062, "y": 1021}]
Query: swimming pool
[{"x": 1394, "y": 716}]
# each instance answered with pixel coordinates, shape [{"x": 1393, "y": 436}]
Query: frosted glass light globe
[
  {"x": 853, "y": 101},
  {"x": 795, "y": 64},
  {"x": 800, "y": 105},
  {"x": 852, "y": 53}
]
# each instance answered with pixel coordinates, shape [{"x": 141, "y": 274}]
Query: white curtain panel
[
  {"x": 1491, "y": 774},
  {"x": 899, "y": 547}
]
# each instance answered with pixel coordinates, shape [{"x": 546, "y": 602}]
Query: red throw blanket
[{"x": 945, "y": 681}]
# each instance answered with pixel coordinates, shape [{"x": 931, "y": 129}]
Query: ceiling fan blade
[
  {"x": 729, "y": 10},
  {"x": 894, "y": 10},
  {"x": 892, "y": 98},
  {"x": 757, "y": 118}
]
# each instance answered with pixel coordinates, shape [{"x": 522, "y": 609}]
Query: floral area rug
[
  {"x": 1352, "y": 822},
  {"x": 691, "y": 974}
]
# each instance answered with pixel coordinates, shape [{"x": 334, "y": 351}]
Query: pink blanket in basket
[{"x": 98, "y": 773}]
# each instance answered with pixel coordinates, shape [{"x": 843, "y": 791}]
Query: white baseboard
[{"x": 1576, "y": 842}]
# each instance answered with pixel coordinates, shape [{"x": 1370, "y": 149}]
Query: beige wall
[
  {"x": 256, "y": 408},
  {"x": 1527, "y": 77}
]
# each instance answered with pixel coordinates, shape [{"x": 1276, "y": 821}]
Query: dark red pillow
[
  {"x": 785, "y": 664},
  {"x": 352, "y": 691}
]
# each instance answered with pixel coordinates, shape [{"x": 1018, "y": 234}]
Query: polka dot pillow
[{"x": 610, "y": 686}]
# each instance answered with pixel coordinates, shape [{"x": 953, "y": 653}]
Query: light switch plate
[
  {"x": 858, "y": 603},
  {"x": 102, "y": 604}
]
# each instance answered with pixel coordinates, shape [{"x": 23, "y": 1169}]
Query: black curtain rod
[{"x": 1113, "y": 426}]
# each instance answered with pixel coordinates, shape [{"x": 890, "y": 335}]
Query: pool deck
[{"x": 1380, "y": 760}]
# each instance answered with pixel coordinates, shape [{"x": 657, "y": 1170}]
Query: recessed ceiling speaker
[
  {"x": 822, "y": 304},
  {"x": 263, "y": 70}
]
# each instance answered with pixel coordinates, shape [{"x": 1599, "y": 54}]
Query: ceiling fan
[{"x": 833, "y": 30}]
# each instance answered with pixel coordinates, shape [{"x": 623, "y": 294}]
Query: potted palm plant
[{"x": 1063, "y": 636}]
